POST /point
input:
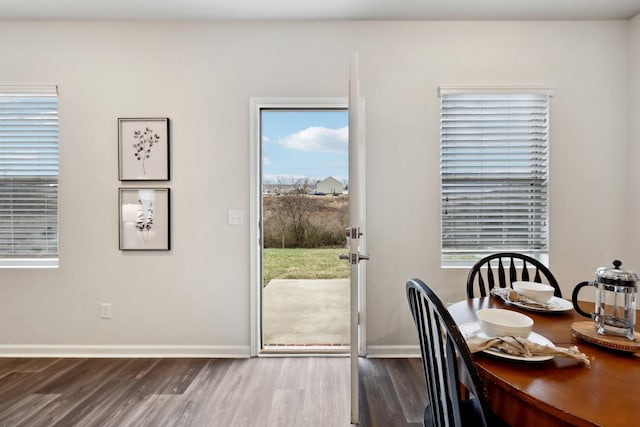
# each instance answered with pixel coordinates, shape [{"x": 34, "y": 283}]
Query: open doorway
[{"x": 304, "y": 204}]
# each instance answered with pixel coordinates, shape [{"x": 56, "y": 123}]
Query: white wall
[{"x": 195, "y": 298}]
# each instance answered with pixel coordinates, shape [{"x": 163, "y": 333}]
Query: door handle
[
  {"x": 353, "y": 233},
  {"x": 355, "y": 258}
]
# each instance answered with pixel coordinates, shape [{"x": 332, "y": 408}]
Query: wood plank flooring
[
  {"x": 392, "y": 392},
  {"x": 272, "y": 392}
]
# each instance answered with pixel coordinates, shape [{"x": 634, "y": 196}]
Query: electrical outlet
[{"x": 105, "y": 310}]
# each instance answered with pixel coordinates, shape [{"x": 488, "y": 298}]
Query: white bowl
[
  {"x": 497, "y": 322},
  {"x": 536, "y": 291}
]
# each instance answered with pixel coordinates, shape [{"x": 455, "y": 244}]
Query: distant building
[{"x": 329, "y": 185}]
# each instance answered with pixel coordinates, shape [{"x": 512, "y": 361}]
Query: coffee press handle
[{"x": 574, "y": 298}]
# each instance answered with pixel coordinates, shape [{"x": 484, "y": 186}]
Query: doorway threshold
[{"x": 305, "y": 350}]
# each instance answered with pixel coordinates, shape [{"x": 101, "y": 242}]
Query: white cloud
[
  {"x": 266, "y": 160},
  {"x": 318, "y": 139}
]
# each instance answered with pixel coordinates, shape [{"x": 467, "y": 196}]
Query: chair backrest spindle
[{"x": 539, "y": 272}]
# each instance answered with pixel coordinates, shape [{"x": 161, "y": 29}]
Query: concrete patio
[{"x": 306, "y": 313}]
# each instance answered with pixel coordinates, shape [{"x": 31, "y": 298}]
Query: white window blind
[
  {"x": 494, "y": 173},
  {"x": 28, "y": 172}
]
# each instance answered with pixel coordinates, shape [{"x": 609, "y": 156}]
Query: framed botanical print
[
  {"x": 143, "y": 149},
  {"x": 144, "y": 219}
]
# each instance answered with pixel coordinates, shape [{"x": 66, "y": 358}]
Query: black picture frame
[
  {"x": 144, "y": 219},
  {"x": 143, "y": 149}
]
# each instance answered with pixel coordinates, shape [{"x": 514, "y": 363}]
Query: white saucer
[
  {"x": 555, "y": 305},
  {"x": 473, "y": 329}
]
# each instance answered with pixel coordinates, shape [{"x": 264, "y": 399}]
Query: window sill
[
  {"x": 469, "y": 263},
  {"x": 28, "y": 262}
]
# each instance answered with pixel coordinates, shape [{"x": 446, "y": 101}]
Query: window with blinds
[
  {"x": 494, "y": 173},
  {"x": 28, "y": 174}
]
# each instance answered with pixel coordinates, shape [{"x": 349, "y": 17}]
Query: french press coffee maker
[{"x": 615, "y": 306}]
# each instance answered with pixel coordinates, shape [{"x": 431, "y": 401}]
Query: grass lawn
[{"x": 304, "y": 264}]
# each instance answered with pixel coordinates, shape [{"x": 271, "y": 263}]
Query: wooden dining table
[{"x": 560, "y": 391}]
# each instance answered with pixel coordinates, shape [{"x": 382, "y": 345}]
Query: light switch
[{"x": 236, "y": 217}]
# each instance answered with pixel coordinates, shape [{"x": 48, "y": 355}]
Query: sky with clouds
[{"x": 305, "y": 144}]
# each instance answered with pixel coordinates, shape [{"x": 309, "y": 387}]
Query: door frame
[{"x": 255, "y": 205}]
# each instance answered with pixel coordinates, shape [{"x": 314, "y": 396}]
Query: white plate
[
  {"x": 473, "y": 329},
  {"x": 555, "y": 305}
]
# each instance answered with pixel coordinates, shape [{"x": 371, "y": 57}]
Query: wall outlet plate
[{"x": 105, "y": 310}]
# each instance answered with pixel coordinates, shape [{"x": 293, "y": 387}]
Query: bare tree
[
  {"x": 294, "y": 205},
  {"x": 296, "y": 219},
  {"x": 279, "y": 217}
]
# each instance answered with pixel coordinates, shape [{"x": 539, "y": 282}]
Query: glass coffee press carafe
[{"x": 615, "y": 306}]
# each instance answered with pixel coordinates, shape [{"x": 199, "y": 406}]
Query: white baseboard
[
  {"x": 174, "y": 351},
  {"x": 124, "y": 351},
  {"x": 392, "y": 351}
]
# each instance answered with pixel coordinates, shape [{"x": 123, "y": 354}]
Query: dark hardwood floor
[
  {"x": 278, "y": 392},
  {"x": 392, "y": 392}
]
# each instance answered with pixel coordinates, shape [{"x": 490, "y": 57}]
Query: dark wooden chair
[
  {"x": 503, "y": 268},
  {"x": 447, "y": 363}
]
